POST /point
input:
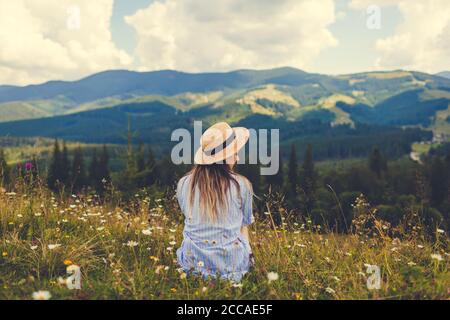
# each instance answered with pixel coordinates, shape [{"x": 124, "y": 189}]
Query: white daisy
[
  {"x": 330, "y": 290},
  {"x": 41, "y": 295},
  {"x": 437, "y": 257},
  {"x": 272, "y": 276},
  {"x": 132, "y": 243}
]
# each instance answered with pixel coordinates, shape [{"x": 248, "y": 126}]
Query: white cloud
[
  {"x": 205, "y": 35},
  {"x": 40, "y": 40},
  {"x": 421, "y": 41}
]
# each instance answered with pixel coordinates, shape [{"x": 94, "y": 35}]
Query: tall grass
[{"x": 127, "y": 251}]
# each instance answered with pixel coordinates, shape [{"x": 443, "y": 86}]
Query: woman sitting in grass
[{"x": 217, "y": 205}]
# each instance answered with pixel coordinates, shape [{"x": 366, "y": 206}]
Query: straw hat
[{"x": 220, "y": 142}]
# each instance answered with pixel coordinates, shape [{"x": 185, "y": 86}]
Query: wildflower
[
  {"x": 4, "y": 254},
  {"x": 200, "y": 264},
  {"x": 172, "y": 243},
  {"x": 173, "y": 230},
  {"x": 173, "y": 290},
  {"x": 336, "y": 279},
  {"x": 440, "y": 231},
  {"x": 41, "y": 295},
  {"x": 272, "y": 276},
  {"x": 53, "y": 246},
  {"x": 169, "y": 248},
  {"x": 100, "y": 228},
  {"x": 183, "y": 276},
  {"x": 62, "y": 281},
  {"x": 68, "y": 262},
  {"x": 147, "y": 232},
  {"x": 154, "y": 258},
  {"x": 179, "y": 270},
  {"x": 330, "y": 290},
  {"x": 411, "y": 263},
  {"x": 204, "y": 289},
  {"x": 33, "y": 247},
  {"x": 132, "y": 243},
  {"x": 297, "y": 296},
  {"x": 37, "y": 214},
  {"x": 420, "y": 246},
  {"x": 237, "y": 285},
  {"x": 437, "y": 257}
]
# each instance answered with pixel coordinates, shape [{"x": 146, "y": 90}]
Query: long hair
[{"x": 213, "y": 183}]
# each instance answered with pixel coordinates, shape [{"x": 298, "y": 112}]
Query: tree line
[{"x": 325, "y": 196}]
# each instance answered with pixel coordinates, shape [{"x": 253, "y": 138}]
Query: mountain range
[{"x": 99, "y": 108}]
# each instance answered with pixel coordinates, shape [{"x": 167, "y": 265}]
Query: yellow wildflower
[{"x": 68, "y": 262}]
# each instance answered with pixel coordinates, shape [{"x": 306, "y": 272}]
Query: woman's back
[{"x": 216, "y": 246}]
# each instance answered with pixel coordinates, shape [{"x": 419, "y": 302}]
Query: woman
[{"x": 217, "y": 205}]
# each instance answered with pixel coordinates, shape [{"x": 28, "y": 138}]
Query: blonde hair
[{"x": 213, "y": 183}]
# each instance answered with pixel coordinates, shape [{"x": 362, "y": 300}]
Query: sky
[{"x": 70, "y": 39}]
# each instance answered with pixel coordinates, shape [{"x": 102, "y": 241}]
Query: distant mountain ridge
[
  {"x": 72, "y": 110},
  {"x": 165, "y": 82},
  {"x": 444, "y": 74}
]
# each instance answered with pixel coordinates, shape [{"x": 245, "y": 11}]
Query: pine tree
[
  {"x": 64, "y": 175},
  {"x": 308, "y": 180},
  {"x": 34, "y": 168},
  {"x": 292, "y": 173},
  {"x": 140, "y": 158},
  {"x": 103, "y": 169},
  {"x": 4, "y": 170},
  {"x": 78, "y": 172},
  {"x": 377, "y": 162},
  {"x": 438, "y": 181},
  {"x": 140, "y": 166},
  {"x": 93, "y": 171},
  {"x": 150, "y": 165},
  {"x": 54, "y": 172}
]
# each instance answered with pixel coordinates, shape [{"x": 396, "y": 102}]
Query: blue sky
[
  {"x": 354, "y": 53},
  {"x": 70, "y": 39},
  {"x": 122, "y": 33}
]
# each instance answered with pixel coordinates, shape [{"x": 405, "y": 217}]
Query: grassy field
[{"x": 128, "y": 251}]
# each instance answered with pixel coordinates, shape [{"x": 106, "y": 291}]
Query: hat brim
[{"x": 242, "y": 135}]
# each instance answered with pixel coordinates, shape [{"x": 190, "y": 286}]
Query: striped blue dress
[{"x": 216, "y": 248}]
